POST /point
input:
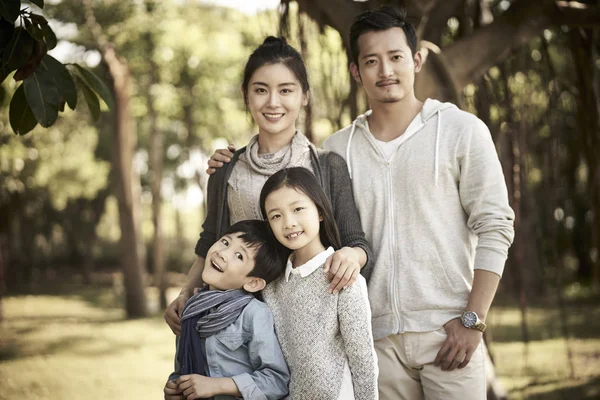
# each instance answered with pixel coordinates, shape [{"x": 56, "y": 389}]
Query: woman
[{"x": 275, "y": 88}]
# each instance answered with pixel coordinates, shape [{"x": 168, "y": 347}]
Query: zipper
[{"x": 393, "y": 294}]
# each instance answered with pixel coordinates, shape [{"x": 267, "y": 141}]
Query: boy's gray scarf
[{"x": 219, "y": 309}]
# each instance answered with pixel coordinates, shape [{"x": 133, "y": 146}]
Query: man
[{"x": 434, "y": 205}]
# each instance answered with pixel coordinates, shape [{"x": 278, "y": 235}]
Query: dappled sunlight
[{"x": 58, "y": 347}]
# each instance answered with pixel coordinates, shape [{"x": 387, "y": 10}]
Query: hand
[
  {"x": 197, "y": 386},
  {"x": 458, "y": 347},
  {"x": 172, "y": 392},
  {"x": 342, "y": 268},
  {"x": 221, "y": 156},
  {"x": 173, "y": 312}
]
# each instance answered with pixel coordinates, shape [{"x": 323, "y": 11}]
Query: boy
[{"x": 228, "y": 348}]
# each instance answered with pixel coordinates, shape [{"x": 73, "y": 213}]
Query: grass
[{"x": 76, "y": 343}]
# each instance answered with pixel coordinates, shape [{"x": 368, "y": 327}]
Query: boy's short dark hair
[
  {"x": 270, "y": 255},
  {"x": 382, "y": 19}
]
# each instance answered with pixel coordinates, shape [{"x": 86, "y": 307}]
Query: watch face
[{"x": 469, "y": 319}]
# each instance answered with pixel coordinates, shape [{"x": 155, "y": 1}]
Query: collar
[{"x": 309, "y": 267}]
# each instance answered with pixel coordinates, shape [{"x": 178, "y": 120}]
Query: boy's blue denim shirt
[{"x": 248, "y": 352}]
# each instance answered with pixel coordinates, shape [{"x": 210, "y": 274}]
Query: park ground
[{"x": 74, "y": 342}]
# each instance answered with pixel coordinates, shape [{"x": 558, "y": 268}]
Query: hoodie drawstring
[
  {"x": 348, "y": 148},
  {"x": 436, "y": 166}
]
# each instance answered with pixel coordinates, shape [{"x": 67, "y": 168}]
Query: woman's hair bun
[{"x": 274, "y": 40}]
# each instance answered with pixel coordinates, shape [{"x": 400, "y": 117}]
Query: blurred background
[{"x": 98, "y": 221}]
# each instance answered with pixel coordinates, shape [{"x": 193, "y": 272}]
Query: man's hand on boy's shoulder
[{"x": 172, "y": 392}]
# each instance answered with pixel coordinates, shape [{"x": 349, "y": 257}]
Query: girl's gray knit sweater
[{"x": 319, "y": 332}]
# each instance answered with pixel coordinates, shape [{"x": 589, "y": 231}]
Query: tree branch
[
  {"x": 472, "y": 56},
  {"x": 338, "y": 14}
]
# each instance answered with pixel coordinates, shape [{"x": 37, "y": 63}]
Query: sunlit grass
[
  {"x": 63, "y": 347},
  {"x": 77, "y": 343}
]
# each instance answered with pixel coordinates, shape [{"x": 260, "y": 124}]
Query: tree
[
  {"x": 453, "y": 67},
  {"x": 25, "y": 38},
  {"x": 132, "y": 252}
]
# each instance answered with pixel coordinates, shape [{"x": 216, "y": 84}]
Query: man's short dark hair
[
  {"x": 382, "y": 19},
  {"x": 270, "y": 255}
]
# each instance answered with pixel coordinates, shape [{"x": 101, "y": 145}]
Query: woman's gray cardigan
[{"x": 332, "y": 172}]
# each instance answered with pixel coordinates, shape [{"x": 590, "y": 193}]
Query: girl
[
  {"x": 275, "y": 88},
  {"x": 326, "y": 339}
]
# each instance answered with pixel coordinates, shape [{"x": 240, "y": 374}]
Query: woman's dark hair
[
  {"x": 270, "y": 256},
  {"x": 273, "y": 51},
  {"x": 304, "y": 181},
  {"x": 382, "y": 19}
]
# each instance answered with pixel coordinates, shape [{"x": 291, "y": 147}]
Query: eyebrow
[
  {"x": 291, "y": 204},
  {"x": 242, "y": 245},
  {"x": 375, "y": 54},
  {"x": 281, "y": 84}
]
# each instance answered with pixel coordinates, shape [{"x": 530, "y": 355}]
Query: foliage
[{"x": 25, "y": 38}]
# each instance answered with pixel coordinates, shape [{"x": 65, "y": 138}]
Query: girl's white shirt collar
[{"x": 309, "y": 267}]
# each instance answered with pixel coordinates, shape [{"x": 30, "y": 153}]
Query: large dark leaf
[
  {"x": 94, "y": 83},
  {"x": 38, "y": 19},
  {"x": 20, "y": 115},
  {"x": 92, "y": 100},
  {"x": 62, "y": 79},
  {"x": 33, "y": 29},
  {"x": 39, "y": 3},
  {"x": 9, "y": 9},
  {"x": 6, "y": 31},
  {"x": 42, "y": 95},
  {"x": 18, "y": 50},
  {"x": 49, "y": 36},
  {"x": 39, "y": 51}
]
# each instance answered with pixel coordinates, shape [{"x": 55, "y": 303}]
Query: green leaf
[
  {"x": 38, "y": 19},
  {"x": 18, "y": 51},
  {"x": 42, "y": 95},
  {"x": 9, "y": 9},
  {"x": 62, "y": 79},
  {"x": 34, "y": 30},
  {"x": 20, "y": 115},
  {"x": 92, "y": 101},
  {"x": 39, "y": 3},
  {"x": 6, "y": 32},
  {"x": 49, "y": 36},
  {"x": 94, "y": 83}
]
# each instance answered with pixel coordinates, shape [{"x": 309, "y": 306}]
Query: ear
[
  {"x": 355, "y": 72},
  {"x": 254, "y": 284},
  {"x": 418, "y": 59},
  {"x": 320, "y": 218},
  {"x": 305, "y": 98}
]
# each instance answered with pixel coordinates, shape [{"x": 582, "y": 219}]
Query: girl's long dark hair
[{"x": 303, "y": 180}]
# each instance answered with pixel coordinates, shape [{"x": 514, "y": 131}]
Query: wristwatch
[{"x": 471, "y": 320}]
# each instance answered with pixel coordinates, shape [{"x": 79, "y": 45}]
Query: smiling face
[
  {"x": 228, "y": 263},
  {"x": 294, "y": 219},
  {"x": 274, "y": 99},
  {"x": 386, "y": 66}
]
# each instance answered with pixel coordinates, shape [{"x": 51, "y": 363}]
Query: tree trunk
[
  {"x": 156, "y": 165},
  {"x": 308, "y": 128},
  {"x": 128, "y": 183},
  {"x": 132, "y": 250},
  {"x": 588, "y": 121}
]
